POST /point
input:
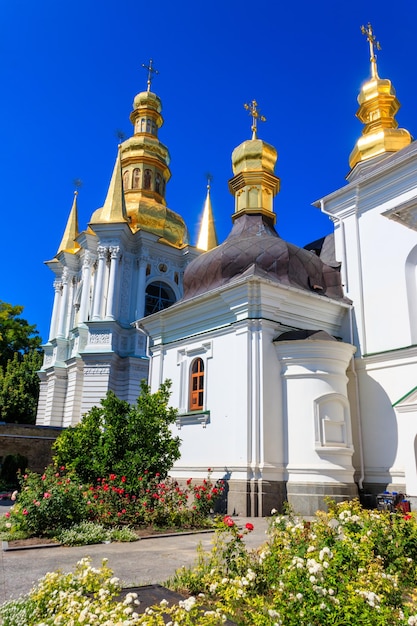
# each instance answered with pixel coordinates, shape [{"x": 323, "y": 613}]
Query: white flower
[
  {"x": 274, "y": 511},
  {"x": 412, "y": 620},
  {"x": 187, "y": 604},
  {"x": 299, "y": 596}
]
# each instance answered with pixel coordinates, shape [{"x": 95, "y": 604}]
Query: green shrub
[
  {"x": 83, "y": 534},
  {"x": 117, "y": 438},
  {"x": 45, "y": 503}
]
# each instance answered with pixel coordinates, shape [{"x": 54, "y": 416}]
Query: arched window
[
  {"x": 148, "y": 126},
  {"x": 142, "y": 125},
  {"x": 136, "y": 178},
  {"x": 147, "y": 179},
  {"x": 126, "y": 180},
  {"x": 158, "y": 183},
  {"x": 158, "y": 296},
  {"x": 197, "y": 385}
]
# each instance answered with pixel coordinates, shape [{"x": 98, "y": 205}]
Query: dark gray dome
[{"x": 254, "y": 245}]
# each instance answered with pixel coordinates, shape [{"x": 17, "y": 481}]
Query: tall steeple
[
  {"x": 254, "y": 183},
  {"x": 378, "y": 106},
  {"x": 207, "y": 239},
  {"x": 114, "y": 208},
  {"x": 68, "y": 243}
]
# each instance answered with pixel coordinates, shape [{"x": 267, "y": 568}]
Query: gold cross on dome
[
  {"x": 255, "y": 114},
  {"x": 151, "y": 70},
  {"x": 369, "y": 34}
]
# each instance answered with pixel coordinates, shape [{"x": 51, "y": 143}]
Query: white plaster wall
[{"x": 383, "y": 381}]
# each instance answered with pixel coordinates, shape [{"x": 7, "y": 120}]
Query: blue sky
[{"x": 69, "y": 72}]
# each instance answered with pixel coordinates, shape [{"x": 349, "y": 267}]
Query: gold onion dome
[
  {"x": 378, "y": 106},
  {"x": 253, "y": 247},
  {"x": 144, "y": 163}
]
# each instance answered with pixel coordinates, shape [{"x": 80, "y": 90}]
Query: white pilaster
[
  {"x": 114, "y": 258},
  {"x": 98, "y": 292},
  {"x": 140, "y": 301},
  {"x": 85, "y": 294},
  {"x": 64, "y": 305},
  {"x": 55, "y": 310}
]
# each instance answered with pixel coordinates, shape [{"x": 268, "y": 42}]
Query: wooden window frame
[{"x": 196, "y": 393}]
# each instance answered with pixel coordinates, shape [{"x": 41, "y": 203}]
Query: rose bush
[{"x": 56, "y": 500}]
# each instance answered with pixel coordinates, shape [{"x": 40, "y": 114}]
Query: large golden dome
[{"x": 143, "y": 162}]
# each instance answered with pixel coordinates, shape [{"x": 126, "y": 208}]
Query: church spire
[
  {"x": 378, "y": 106},
  {"x": 114, "y": 209},
  {"x": 207, "y": 239},
  {"x": 68, "y": 243}
]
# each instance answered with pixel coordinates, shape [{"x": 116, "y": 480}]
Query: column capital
[
  {"x": 102, "y": 252},
  {"x": 114, "y": 252}
]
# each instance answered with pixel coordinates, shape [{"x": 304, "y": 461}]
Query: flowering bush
[
  {"x": 156, "y": 502},
  {"x": 347, "y": 567},
  {"x": 47, "y": 502},
  {"x": 55, "y": 501}
]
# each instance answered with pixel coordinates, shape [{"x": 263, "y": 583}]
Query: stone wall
[{"x": 33, "y": 442}]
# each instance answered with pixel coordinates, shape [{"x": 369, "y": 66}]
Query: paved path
[{"x": 143, "y": 562}]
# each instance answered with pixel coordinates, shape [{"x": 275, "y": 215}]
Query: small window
[
  {"x": 136, "y": 178},
  {"x": 126, "y": 180},
  {"x": 158, "y": 183},
  {"x": 147, "y": 179},
  {"x": 197, "y": 385}
]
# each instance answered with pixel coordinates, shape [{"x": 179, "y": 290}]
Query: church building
[{"x": 294, "y": 369}]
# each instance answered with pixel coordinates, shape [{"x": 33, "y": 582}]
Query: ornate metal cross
[
  {"x": 369, "y": 34},
  {"x": 151, "y": 70},
  {"x": 255, "y": 114}
]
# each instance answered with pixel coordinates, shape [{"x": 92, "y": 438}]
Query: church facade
[{"x": 294, "y": 369}]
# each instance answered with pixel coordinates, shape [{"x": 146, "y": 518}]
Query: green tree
[
  {"x": 19, "y": 388},
  {"x": 117, "y": 438},
  {"x": 16, "y": 334}
]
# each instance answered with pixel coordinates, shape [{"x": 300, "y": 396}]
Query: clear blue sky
[{"x": 69, "y": 71}]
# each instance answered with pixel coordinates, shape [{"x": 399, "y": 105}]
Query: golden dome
[
  {"x": 378, "y": 106},
  {"x": 254, "y": 183},
  {"x": 144, "y": 173}
]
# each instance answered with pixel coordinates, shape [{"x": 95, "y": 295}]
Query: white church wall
[{"x": 383, "y": 381}]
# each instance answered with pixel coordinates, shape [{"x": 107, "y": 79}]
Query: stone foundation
[{"x": 308, "y": 498}]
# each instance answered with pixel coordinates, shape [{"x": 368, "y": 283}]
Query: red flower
[
  {"x": 249, "y": 527},
  {"x": 157, "y": 474},
  {"x": 25, "y": 512},
  {"x": 407, "y": 517},
  {"x": 228, "y": 521},
  {"x": 209, "y": 469},
  {"x": 112, "y": 476},
  {"x": 123, "y": 479},
  {"x": 43, "y": 477}
]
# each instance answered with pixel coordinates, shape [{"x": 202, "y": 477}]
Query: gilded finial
[
  {"x": 151, "y": 70},
  {"x": 255, "y": 114},
  {"x": 209, "y": 179},
  {"x": 373, "y": 43},
  {"x": 78, "y": 183}
]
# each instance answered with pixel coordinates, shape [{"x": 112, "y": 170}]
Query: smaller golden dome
[
  {"x": 148, "y": 100},
  {"x": 254, "y": 155},
  {"x": 378, "y": 105}
]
